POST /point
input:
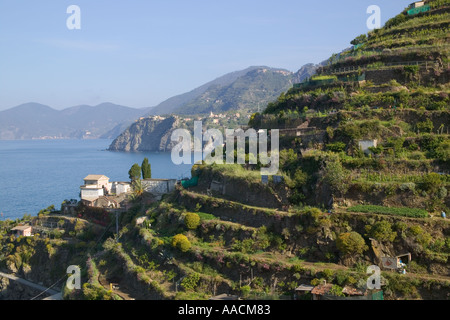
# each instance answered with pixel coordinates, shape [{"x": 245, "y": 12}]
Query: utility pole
[{"x": 117, "y": 226}]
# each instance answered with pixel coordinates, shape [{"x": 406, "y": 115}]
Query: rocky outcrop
[{"x": 149, "y": 134}]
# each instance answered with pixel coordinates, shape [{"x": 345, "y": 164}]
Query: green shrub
[
  {"x": 336, "y": 291},
  {"x": 191, "y": 281},
  {"x": 181, "y": 242},
  {"x": 245, "y": 290},
  {"x": 351, "y": 243},
  {"x": 192, "y": 220},
  {"x": 431, "y": 182},
  {"x": 336, "y": 146},
  {"x": 425, "y": 126},
  {"x": 381, "y": 231},
  {"x": 443, "y": 151},
  {"x": 300, "y": 178}
]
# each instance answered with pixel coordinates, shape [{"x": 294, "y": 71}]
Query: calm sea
[{"x": 38, "y": 173}]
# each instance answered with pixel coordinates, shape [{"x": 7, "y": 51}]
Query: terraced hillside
[
  {"x": 365, "y": 165},
  {"x": 390, "y": 93},
  {"x": 195, "y": 246}
]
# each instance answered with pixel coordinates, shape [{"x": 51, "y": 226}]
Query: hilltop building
[
  {"x": 95, "y": 186},
  {"x": 99, "y": 192},
  {"x": 22, "y": 231}
]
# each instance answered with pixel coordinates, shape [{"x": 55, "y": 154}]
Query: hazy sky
[{"x": 140, "y": 52}]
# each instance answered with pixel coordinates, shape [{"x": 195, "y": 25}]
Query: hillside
[
  {"x": 147, "y": 134},
  {"x": 389, "y": 92},
  {"x": 37, "y": 121},
  {"x": 244, "y": 89},
  {"x": 232, "y": 98},
  {"x": 365, "y": 175},
  {"x": 170, "y": 105},
  {"x": 258, "y": 86}
]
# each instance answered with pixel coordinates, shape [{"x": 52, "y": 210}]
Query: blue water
[{"x": 38, "y": 173}]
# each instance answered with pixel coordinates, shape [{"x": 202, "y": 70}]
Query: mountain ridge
[{"x": 37, "y": 121}]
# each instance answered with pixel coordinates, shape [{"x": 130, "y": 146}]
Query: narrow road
[{"x": 30, "y": 284}]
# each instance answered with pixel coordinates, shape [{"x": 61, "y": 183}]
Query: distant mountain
[
  {"x": 306, "y": 71},
  {"x": 256, "y": 87},
  {"x": 37, "y": 121},
  {"x": 245, "y": 89},
  {"x": 248, "y": 88},
  {"x": 170, "y": 105}
]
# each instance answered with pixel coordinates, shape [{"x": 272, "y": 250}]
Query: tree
[
  {"x": 300, "y": 178},
  {"x": 135, "y": 172},
  {"x": 335, "y": 175},
  {"x": 351, "y": 243},
  {"x": 425, "y": 126},
  {"x": 138, "y": 189},
  {"x": 359, "y": 39},
  {"x": 146, "y": 169},
  {"x": 443, "y": 151}
]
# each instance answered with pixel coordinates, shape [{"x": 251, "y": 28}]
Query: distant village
[{"x": 213, "y": 118}]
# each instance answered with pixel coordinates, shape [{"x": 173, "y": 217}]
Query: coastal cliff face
[{"x": 147, "y": 134}]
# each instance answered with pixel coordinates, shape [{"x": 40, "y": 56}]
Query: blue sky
[{"x": 140, "y": 52}]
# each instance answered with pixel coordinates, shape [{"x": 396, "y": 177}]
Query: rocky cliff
[{"x": 149, "y": 134}]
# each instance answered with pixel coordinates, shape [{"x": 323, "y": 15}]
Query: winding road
[{"x": 54, "y": 294}]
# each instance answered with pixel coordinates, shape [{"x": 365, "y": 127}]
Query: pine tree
[
  {"x": 146, "y": 169},
  {"x": 135, "y": 172}
]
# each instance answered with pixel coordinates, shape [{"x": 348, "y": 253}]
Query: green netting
[
  {"x": 418, "y": 10},
  {"x": 378, "y": 295},
  {"x": 190, "y": 183},
  {"x": 353, "y": 78}
]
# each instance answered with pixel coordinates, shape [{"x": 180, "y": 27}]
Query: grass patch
[
  {"x": 237, "y": 171},
  {"x": 404, "y": 212},
  {"x": 206, "y": 216}
]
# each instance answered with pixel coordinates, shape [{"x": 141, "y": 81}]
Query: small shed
[
  {"x": 141, "y": 220},
  {"x": 120, "y": 187},
  {"x": 364, "y": 145},
  {"x": 321, "y": 290},
  {"x": 418, "y": 7},
  {"x": 350, "y": 291},
  {"x": 303, "y": 290},
  {"x": 417, "y": 4},
  {"x": 24, "y": 231},
  {"x": 264, "y": 179},
  {"x": 277, "y": 179},
  {"x": 158, "y": 186},
  {"x": 224, "y": 297}
]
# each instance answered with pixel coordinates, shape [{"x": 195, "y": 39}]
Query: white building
[
  {"x": 364, "y": 145},
  {"x": 24, "y": 231},
  {"x": 95, "y": 186},
  {"x": 417, "y": 4},
  {"x": 159, "y": 186},
  {"x": 120, "y": 187}
]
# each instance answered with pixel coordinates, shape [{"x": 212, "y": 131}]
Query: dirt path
[{"x": 117, "y": 290}]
